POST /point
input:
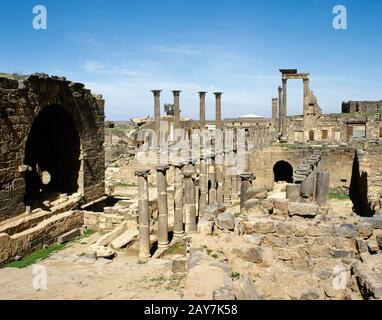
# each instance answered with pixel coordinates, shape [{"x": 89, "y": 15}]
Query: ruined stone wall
[
  {"x": 20, "y": 103},
  {"x": 333, "y": 128},
  {"x": 337, "y": 160},
  {"x": 361, "y": 106}
]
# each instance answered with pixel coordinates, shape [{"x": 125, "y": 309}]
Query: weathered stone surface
[
  {"x": 257, "y": 192},
  {"x": 379, "y": 241},
  {"x": 264, "y": 227},
  {"x": 245, "y": 289},
  {"x": 124, "y": 239},
  {"x": 225, "y": 221},
  {"x": 310, "y": 294},
  {"x": 179, "y": 265},
  {"x": 346, "y": 230},
  {"x": 68, "y": 236},
  {"x": 369, "y": 277},
  {"x": 223, "y": 294},
  {"x": 362, "y": 246},
  {"x": 281, "y": 207},
  {"x": 365, "y": 230},
  {"x": 239, "y": 229},
  {"x": 206, "y": 227},
  {"x": 103, "y": 252},
  {"x": 254, "y": 255},
  {"x": 251, "y": 205},
  {"x": 284, "y": 229},
  {"x": 212, "y": 211},
  {"x": 303, "y": 209},
  {"x": 253, "y": 239}
]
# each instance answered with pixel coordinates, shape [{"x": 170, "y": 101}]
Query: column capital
[
  {"x": 162, "y": 168},
  {"x": 202, "y": 93},
  {"x": 176, "y": 92},
  {"x": 187, "y": 173},
  {"x": 218, "y": 94},
  {"x": 178, "y": 164},
  {"x": 156, "y": 92},
  {"x": 247, "y": 176},
  {"x": 142, "y": 173}
]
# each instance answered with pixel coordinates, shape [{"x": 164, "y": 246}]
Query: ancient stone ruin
[{"x": 251, "y": 208}]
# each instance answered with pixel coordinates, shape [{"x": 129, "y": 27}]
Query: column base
[
  {"x": 163, "y": 245},
  {"x": 144, "y": 258},
  {"x": 178, "y": 234},
  {"x": 283, "y": 139}
]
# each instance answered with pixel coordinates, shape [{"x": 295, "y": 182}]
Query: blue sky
[{"x": 123, "y": 49}]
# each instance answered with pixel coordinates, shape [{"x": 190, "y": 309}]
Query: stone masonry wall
[{"x": 20, "y": 103}]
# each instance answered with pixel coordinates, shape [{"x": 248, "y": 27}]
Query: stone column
[
  {"x": 306, "y": 94},
  {"x": 274, "y": 110},
  {"x": 203, "y": 185},
  {"x": 144, "y": 217},
  {"x": 322, "y": 188},
  {"x": 162, "y": 206},
  {"x": 284, "y": 113},
  {"x": 176, "y": 108},
  {"x": 178, "y": 199},
  {"x": 227, "y": 178},
  {"x": 157, "y": 114},
  {"x": 280, "y": 109},
  {"x": 293, "y": 192},
  {"x": 246, "y": 183},
  {"x": 202, "y": 111},
  {"x": 219, "y": 169},
  {"x": 307, "y": 186},
  {"x": 219, "y": 124},
  {"x": 235, "y": 180},
  {"x": 212, "y": 180},
  {"x": 190, "y": 203}
]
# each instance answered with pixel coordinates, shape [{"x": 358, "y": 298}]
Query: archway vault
[
  {"x": 52, "y": 153},
  {"x": 283, "y": 171}
]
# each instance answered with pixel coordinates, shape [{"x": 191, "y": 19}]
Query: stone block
[
  {"x": 346, "y": 230},
  {"x": 264, "y": 227},
  {"x": 310, "y": 294},
  {"x": 206, "y": 227},
  {"x": 225, "y": 221},
  {"x": 179, "y": 265},
  {"x": 212, "y": 211},
  {"x": 253, "y": 239},
  {"x": 245, "y": 289},
  {"x": 284, "y": 229},
  {"x": 303, "y": 209},
  {"x": 68, "y": 236},
  {"x": 253, "y": 255}
]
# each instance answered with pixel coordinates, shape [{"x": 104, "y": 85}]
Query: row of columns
[
  {"x": 202, "y": 109},
  {"x": 190, "y": 198},
  {"x": 310, "y": 181}
]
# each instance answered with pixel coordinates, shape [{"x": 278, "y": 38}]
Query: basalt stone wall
[
  {"x": 362, "y": 106},
  {"x": 21, "y": 101},
  {"x": 337, "y": 160}
]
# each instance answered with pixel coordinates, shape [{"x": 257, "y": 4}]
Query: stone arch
[
  {"x": 53, "y": 147},
  {"x": 283, "y": 171}
]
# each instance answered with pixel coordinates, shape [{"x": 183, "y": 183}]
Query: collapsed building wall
[
  {"x": 337, "y": 160},
  {"x": 362, "y": 106},
  {"x": 51, "y": 141}
]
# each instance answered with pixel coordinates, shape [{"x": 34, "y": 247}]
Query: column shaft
[
  {"x": 162, "y": 206},
  {"x": 144, "y": 218}
]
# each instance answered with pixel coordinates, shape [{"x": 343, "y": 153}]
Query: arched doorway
[
  {"x": 52, "y": 152},
  {"x": 283, "y": 171}
]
